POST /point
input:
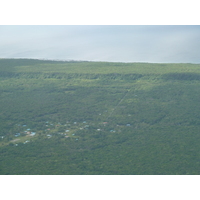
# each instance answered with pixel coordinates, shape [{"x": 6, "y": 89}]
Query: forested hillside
[{"x": 59, "y": 117}]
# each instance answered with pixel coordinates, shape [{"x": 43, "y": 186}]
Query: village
[{"x": 25, "y": 134}]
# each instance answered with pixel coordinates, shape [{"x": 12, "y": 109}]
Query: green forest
[{"x": 99, "y": 118}]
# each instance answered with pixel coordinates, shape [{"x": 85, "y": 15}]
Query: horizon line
[{"x": 71, "y": 60}]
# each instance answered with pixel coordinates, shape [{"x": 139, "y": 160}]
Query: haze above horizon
[{"x": 109, "y": 43}]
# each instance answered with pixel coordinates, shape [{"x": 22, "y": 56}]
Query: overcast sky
[{"x": 115, "y": 43}]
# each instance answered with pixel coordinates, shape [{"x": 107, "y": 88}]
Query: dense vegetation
[{"x": 72, "y": 117}]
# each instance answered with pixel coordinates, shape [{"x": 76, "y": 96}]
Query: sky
[{"x": 113, "y": 43}]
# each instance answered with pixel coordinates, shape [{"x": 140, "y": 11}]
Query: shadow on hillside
[{"x": 181, "y": 76}]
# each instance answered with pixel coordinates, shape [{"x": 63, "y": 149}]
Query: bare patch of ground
[{"x": 15, "y": 140}]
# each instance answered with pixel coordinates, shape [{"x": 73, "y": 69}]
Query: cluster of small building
[
  {"x": 86, "y": 126},
  {"x": 26, "y": 132}
]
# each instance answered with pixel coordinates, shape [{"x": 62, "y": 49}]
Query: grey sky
[{"x": 131, "y": 43}]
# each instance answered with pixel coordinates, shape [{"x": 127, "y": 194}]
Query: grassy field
[{"x": 61, "y": 117}]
